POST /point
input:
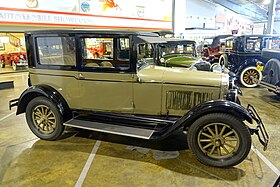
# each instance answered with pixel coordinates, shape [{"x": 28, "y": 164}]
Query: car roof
[
  {"x": 179, "y": 41},
  {"x": 92, "y": 31}
]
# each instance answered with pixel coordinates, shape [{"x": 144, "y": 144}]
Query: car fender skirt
[{"x": 42, "y": 90}]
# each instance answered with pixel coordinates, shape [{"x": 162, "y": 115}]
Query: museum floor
[{"x": 94, "y": 159}]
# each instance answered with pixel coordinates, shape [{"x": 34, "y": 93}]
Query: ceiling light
[{"x": 266, "y": 2}]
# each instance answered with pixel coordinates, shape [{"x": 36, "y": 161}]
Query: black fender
[
  {"x": 46, "y": 91},
  {"x": 215, "y": 106}
]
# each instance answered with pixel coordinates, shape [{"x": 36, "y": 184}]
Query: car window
[
  {"x": 253, "y": 44},
  {"x": 56, "y": 51},
  {"x": 100, "y": 53},
  {"x": 188, "y": 49},
  {"x": 145, "y": 55}
]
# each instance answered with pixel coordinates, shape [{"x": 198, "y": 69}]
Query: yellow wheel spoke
[
  {"x": 219, "y": 151},
  {"x": 216, "y": 129},
  {"x": 212, "y": 150},
  {"x": 208, "y": 145},
  {"x": 222, "y": 131},
  {"x": 225, "y": 149},
  {"x": 205, "y": 140},
  {"x": 227, "y": 134},
  {"x": 207, "y": 135},
  {"x": 210, "y": 130},
  {"x": 232, "y": 146}
]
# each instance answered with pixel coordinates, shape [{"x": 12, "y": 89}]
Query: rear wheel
[
  {"x": 219, "y": 140},
  {"x": 248, "y": 76},
  {"x": 44, "y": 119}
]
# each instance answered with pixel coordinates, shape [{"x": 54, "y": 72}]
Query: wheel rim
[
  {"x": 44, "y": 119},
  {"x": 218, "y": 140},
  {"x": 250, "y": 75}
]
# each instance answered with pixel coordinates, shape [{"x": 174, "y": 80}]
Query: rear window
[{"x": 57, "y": 51}]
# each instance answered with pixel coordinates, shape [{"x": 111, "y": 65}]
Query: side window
[
  {"x": 100, "y": 53},
  {"x": 56, "y": 51},
  {"x": 253, "y": 44}
]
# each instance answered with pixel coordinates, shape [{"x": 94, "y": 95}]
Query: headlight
[{"x": 224, "y": 85}]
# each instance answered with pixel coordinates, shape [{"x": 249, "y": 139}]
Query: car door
[{"x": 104, "y": 77}]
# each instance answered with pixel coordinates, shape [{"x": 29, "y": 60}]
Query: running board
[{"x": 110, "y": 128}]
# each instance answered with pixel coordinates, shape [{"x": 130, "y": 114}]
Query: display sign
[{"x": 134, "y": 14}]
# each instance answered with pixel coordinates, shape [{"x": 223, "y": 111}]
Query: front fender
[
  {"x": 215, "y": 106},
  {"x": 42, "y": 90}
]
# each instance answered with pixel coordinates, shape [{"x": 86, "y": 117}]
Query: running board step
[{"x": 110, "y": 128}]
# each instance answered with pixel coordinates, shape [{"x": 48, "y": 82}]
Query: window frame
[
  {"x": 115, "y": 37},
  {"x": 53, "y": 67}
]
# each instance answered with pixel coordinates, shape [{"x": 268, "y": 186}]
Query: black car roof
[{"x": 92, "y": 31}]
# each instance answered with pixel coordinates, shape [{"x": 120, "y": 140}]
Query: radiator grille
[{"x": 185, "y": 100}]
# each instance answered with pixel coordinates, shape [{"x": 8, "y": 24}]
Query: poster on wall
[{"x": 156, "y": 14}]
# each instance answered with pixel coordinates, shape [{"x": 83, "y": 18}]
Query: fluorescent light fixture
[{"x": 266, "y": 2}]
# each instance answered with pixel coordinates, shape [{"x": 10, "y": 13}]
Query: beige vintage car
[{"x": 109, "y": 81}]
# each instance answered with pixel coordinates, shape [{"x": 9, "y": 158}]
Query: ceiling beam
[{"x": 243, "y": 10}]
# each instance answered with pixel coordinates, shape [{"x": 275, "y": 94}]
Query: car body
[
  {"x": 214, "y": 48},
  {"x": 121, "y": 90},
  {"x": 243, "y": 56}
]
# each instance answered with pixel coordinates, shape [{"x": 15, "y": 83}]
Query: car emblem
[
  {"x": 85, "y": 7},
  {"x": 31, "y": 3}
]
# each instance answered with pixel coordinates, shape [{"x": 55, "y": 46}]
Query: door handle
[{"x": 81, "y": 76}]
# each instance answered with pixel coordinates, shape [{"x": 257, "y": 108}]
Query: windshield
[
  {"x": 188, "y": 49},
  {"x": 145, "y": 55}
]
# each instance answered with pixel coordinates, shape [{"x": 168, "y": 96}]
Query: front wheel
[
  {"x": 219, "y": 140},
  {"x": 249, "y": 76},
  {"x": 44, "y": 119}
]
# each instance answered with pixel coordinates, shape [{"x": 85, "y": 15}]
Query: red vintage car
[
  {"x": 16, "y": 59},
  {"x": 212, "y": 50}
]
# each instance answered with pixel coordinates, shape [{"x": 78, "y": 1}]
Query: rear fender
[{"x": 46, "y": 91}]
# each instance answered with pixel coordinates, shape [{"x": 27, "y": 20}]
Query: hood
[{"x": 160, "y": 74}]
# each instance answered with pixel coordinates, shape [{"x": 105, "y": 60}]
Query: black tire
[
  {"x": 2, "y": 65},
  {"x": 231, "y": 124},
  {"x": 44, "y": 119},
  {"x": 272, "y": 71}
]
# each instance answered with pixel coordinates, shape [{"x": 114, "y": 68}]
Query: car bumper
[
  {"x": 13, "y": 103},
  {"x": 260, "y": 129}
]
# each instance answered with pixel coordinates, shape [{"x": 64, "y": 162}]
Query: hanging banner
[{"x": 134, "y": 14}]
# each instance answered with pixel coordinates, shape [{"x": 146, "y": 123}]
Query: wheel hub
[{"x": 218, "y": 140}]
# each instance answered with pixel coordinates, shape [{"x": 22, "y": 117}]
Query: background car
[{"x": 243, "y": 56}]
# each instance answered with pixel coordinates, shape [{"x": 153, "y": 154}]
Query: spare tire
[
  {"x": 271, "y": 71},
  {"x": 223, "y": 60}
]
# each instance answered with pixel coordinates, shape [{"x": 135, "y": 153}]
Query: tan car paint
[{"x": 154, "y": 90}]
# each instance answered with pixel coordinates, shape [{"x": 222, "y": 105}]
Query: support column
[{"x": 271, "y": 16}]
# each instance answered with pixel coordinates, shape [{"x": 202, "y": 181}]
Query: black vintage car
[
  {"x": 271, "y": 72},
  {"x": 243, "y": 56}
]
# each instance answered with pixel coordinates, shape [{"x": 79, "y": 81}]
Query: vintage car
[
  {"x": 18, "y": 60},
  {"x": 122, "y": 91},
  {"x": 181, "y": 53},
  {"x": 213, "y": 48},
  {"x": 271, "y": 72},
  {"x": 243, "y": 57}
]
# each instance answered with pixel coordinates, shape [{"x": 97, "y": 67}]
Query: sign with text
[{"x": 39, "y": 17}]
